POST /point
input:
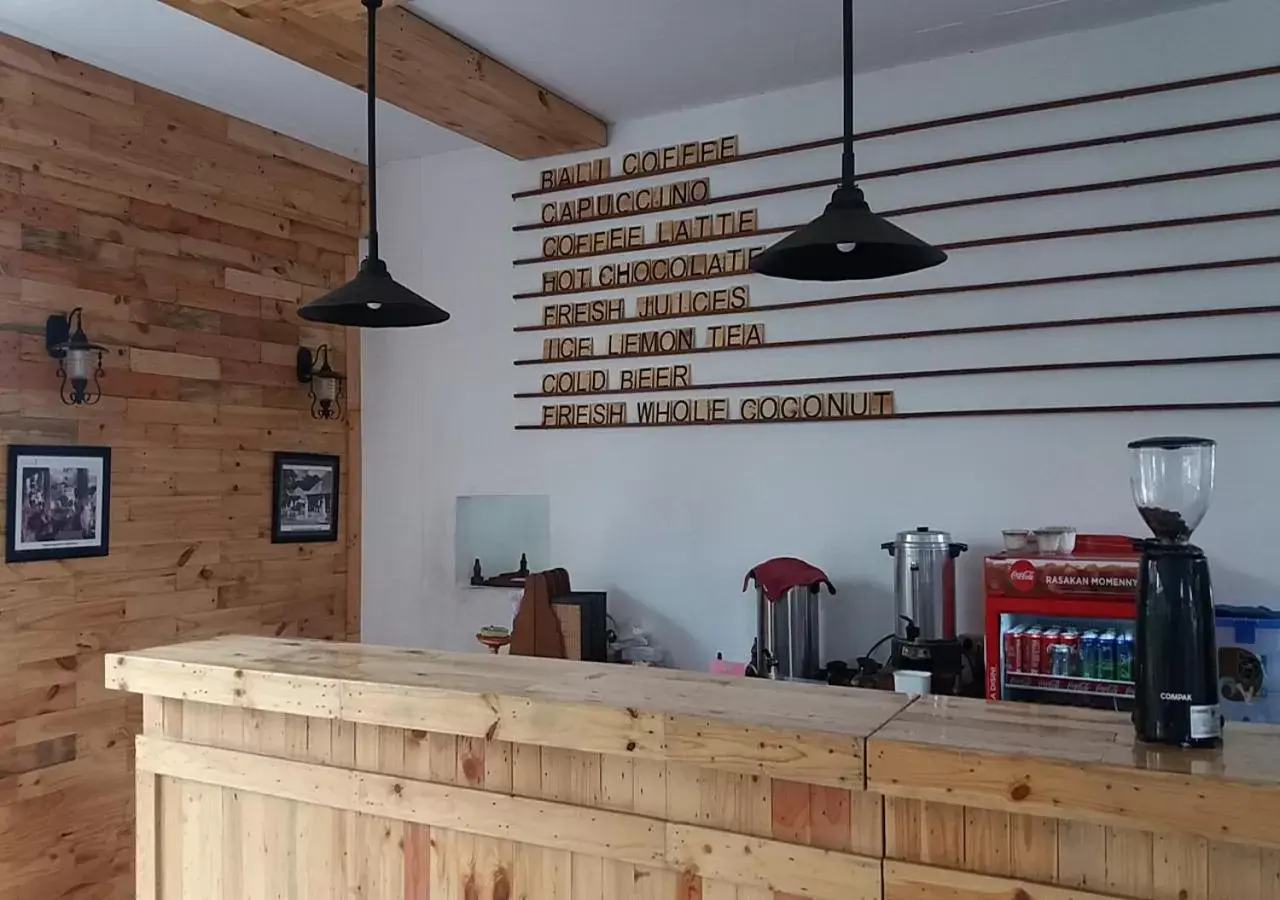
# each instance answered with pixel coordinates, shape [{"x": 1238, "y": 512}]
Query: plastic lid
[{"x": 1171, "y": 443}]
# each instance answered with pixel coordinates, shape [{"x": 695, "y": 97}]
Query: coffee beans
[{"x": 1165, "y": 523}]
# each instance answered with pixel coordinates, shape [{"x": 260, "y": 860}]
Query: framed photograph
[
  {"x": 59, "y": 502},
  {"x": 305, "y": 492}
]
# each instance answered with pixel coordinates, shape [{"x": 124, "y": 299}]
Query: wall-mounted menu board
[
  {"x": 627, "y": 298},
  {"x": 734, "y": 262}
]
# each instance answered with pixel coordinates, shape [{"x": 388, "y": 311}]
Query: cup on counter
[
  {"x": 908, "y": 681},
  {"x": 1056, "y": 539},
  {"x": 1017, "y": 539}
]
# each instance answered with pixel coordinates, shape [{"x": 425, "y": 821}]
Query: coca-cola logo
[{"x": 1022, "y": 575}]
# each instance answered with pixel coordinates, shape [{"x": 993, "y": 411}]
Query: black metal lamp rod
[
  {"x": 847, "y": 175},
  {"x": 372, "y": 95}
]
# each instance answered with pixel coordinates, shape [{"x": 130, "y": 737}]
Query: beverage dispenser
[{"x": 788, "y": 642}]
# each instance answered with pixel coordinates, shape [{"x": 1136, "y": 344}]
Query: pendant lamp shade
[
  {"x": 373, "y": 299},
  {"x": 848, "y": 242}
]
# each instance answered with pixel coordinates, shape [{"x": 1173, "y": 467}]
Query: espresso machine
[
  {"x": 924, "y": 589},
  {"x": 1175, "y": 660}
]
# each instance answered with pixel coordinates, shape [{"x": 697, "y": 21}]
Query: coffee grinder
[{"x": 1175, "y": 658}]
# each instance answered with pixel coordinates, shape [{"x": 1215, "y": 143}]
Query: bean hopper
[{"x": 1175, "y": 655}]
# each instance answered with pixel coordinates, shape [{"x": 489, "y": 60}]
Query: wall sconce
[
  {"x": 326, "y": 384},
  {"x": 74, "y": 354}
]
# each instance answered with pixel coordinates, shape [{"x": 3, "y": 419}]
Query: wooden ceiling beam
[{"x": 421, "y": 69}]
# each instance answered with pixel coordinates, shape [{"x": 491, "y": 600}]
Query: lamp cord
[
  {"x": 847, "y": 178},
  {"x": 372, "y": 94}
]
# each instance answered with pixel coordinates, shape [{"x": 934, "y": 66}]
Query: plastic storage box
[{"x": 1249, "y": 663}]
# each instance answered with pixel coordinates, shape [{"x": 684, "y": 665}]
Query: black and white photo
[
  {"x": 305, "y": 491},
  {"x": 58, "y": 502}
]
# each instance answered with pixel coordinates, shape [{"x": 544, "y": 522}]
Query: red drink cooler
[{"x": 1056, "y": 624}]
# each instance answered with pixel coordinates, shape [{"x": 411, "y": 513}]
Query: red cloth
[{"x": 779, "y": 575}]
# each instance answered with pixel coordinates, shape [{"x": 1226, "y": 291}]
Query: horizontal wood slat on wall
[
  {"x": 1093, "y": 187},
  {"x": 189, "y": 238},
  {"x": 930, "y": 124},
  {"x": 944, "y": 414},
  {"x": 916, "y": 374},
  {"x": 1144, "y": 318},
  {"x": 713, "y": 200},
  {"x": 986, "y": 286},
  {"x": 936, "y": 165},
  {"x": 956, "y": 245}
]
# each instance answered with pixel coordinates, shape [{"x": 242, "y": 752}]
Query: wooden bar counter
[{"x": 296, "y": 770}]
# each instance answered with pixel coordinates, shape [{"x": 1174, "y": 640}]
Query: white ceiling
[
  {"x": 628, "y": 58},
  {"x": 618, "y": 58}
]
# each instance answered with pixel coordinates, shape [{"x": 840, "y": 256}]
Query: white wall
[{"x": 669, "y": 520}]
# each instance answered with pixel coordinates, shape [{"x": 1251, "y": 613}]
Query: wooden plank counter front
[{"x": 294, "y": 770}]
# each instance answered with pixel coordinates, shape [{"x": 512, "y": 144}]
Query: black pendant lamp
[
  {"x": 373, "y": 299},
  {"x": 848, "y": 242}
]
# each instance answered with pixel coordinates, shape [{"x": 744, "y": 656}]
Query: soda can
[
  {"x": 1124, "y": 657},
  {"x": 1031, "y": 649},
  {"x": 1059, "y": 659},
  {"x": 1013, "y": 649},
  {"x": 1071, "y": 639},
  {"x": 1026, "y": 651},
  {"x": 1107, "y": 656},
  {"x": 1047, "y": 639},
  {"x": 1089, "y": 654}
]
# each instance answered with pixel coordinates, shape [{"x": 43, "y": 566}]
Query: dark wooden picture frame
[
  {"x": 40, "y": 499},
  {"x": 304, "y": 513}
]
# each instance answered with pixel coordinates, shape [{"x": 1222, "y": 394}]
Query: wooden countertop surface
[
  {"x": 810, "y": 733},
  {"x": 1250, "y": 753},
  {"x": 807, "y": 707},
  {"x": 1007, "y": 755}
]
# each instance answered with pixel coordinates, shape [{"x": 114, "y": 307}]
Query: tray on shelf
[{"x": 1069, "y": 684}]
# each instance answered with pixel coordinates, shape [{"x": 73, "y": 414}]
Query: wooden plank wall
[
  {"x": 189, "y": 238},
  {"x": 1076, "y": 856},
  {"x": 224, "y": 826},
  {"x": 383, "y": 859}
]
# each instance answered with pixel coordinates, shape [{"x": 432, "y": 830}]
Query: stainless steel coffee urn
[
  {"x": 788, "y": 642},
  {"x": 924, "y": 589}
]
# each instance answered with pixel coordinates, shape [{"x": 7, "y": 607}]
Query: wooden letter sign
[
  {"x": 683, "y": 412},
  {"x": 655, "y": 378},
  {"x": 680, "y": 156},
  {"x": 565, "y": 246},
  {"x": 588, "y": 172},
  {"x": 648, "y": 199},
  {"x": 651, "y": 343},
  {"x": 567, "y": 348},
  {"x": 740, "y": 335},
  {"x": 564, "y": 281},
  {"x": 584, "y": 381},
  {"x": 588, "y": 312},
  {"x": 582, "y": 415},
  {"x": 725, "y": 224},
  {"x": 676, "y": 268},
  {"x": 695, "y": 303},
  {"x": 838, "y": 405}
]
